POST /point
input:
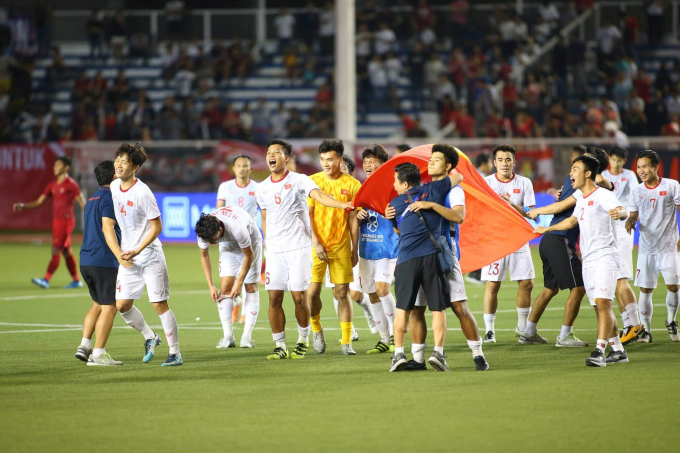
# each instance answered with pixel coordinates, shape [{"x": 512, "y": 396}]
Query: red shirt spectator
[
  {"x": 465, "y": 124},
  {"x": 408, "y": 123},
  {"x": 630, "y": 30},
  {"x": 643, "y": 85},
  {"x": 458, "y": 67},
  {"x": 324, "y": 95},
  {"x": 509, "y": 95},
  {"x": 423, "y": 15}
]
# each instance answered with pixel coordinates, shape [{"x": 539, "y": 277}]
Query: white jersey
[
  {"x": 656, "y": 207},
  {"x": 624, "y": 183},
  {"x": 234, "y": 195},
  {"x": 240, "y": 230},
  {"x": 598, "y": 234},
  {"x": 287, "y": 217},
  {"x": 135, "y": 207},
  {"x": 519, "y": 189}
]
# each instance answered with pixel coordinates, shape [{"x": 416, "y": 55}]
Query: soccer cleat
[
  {"x": 480, "y": 363},
  {"x": 490, "y": 337},
  {"x": 83, "y": 353},
  {"x": 300, "y": 351},
  {"x": 246, "y": 343},
  {"x": 225, "y": 343},
  {"x": 379, "y": 348},
  {"x": 173, "y": 360},
  {"x": 319, "y": 342},
  {"x": 645, "y": 337},
  {"x": 413, "y": 365},
  {"x": 532, "y": 339},
  {"x": 41, "y": 282},
  {"x": 391, "y": 343},
  {"x": 104, "y": 360},
  {"x": 438, "y": 361},
  {"x": 570, "y": 341},
  {"x": 74, "y": 284},
  {"x": 617, "y": 357},
  {"x": 150, "y": 348},
  {"x": 673, "y": 331},
  {"x": 399, "y": 362},
  {"x": 279, "y": 353},
  {"x": 371, "y": 324},
  {"x": 631, "y": 334},
  {"x": 596, "y": 359},
  {"x": 518, "y": 333},
  {"x": 346, "y": 349}
]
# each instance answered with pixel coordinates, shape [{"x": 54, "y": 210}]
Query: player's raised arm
[
  {"x": 16, "y": 207},
  {"x": 604, "y": 182},
  {"x": 455, "y": 214},
  {"x": 554, "y": 208},
  {"x": 327, "y": 200},
  {"x": 564, "y": 225},
  {"x": 455, "y": 178}
]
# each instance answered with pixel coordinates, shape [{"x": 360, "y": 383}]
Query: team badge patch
[
  {"x": 130, "y": 203},
  {"x": 287, "y": 186},
  {"x": 516, "y": 191},
  {"x": 344, "y": 192},
  {"x": 251, "y": 193},
  {"x": 591, "y": 202},
  {"x": 663, "y": 192}
]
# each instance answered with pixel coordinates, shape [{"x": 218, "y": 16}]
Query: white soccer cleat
[
  {"x": 319, "y": 342},
  {"x": 103, "y": 360},
  {"x": 225, "y": 343},
  {"x": 371, "y": 324},
  {"x": 247, "y": 343},
  {"x": 673, "y": 331},
  {"x": 518, "y": 332}
]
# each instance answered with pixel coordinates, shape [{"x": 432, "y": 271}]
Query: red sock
[
  {"x": 52, "y": 267},
  {"x": 72, "y": 266}
]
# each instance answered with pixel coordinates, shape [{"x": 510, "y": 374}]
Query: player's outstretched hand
[
  {"x": 630, "y": 227},
  {"x": 347, "y": 206},
  {"x": 532, "y": 214},
  {"x": 321, "y": 252},
  {"x": 614, "y": 214},
  {"x": 540, "y": 230},
  {"x": 214, "y": 293},
  {"x": 418, "y": 205},
  {"x": 16, "y": 207},
  {"x": 362, "y": 214},
  {"x": 125, "y": 263},
  {"x": 235, "y": 289},
  {"x": 390, "y": 212},
  {"x": 559, "y": 192}
]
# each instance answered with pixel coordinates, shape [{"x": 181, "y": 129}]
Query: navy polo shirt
[
  {"x": 571, "y": 235},
  {"x": 95, "y": 251},
  {"x": 414, "y": 241}
]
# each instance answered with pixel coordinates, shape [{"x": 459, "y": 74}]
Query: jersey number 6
[{"x": 277, "y": 198}]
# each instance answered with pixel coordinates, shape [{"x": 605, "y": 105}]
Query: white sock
[
  {"x": 87, "y": 342},
  {"x": 366, "y": 305},
  {"x": 625, "y": 318},
  {"x": 476, "y": 347},
  {"x": 632, "y": 315},
  {"x": 530, "y": 328},
  {"x": 280, "y": 339},
  {"x": 135, "y": 319},
  {"x": 522, "y": 316},
  {"x": 398, "y": 350},
  {"x": 615, "y": 343},
  {"x": 303, "y": 334},
  {"x": 380, "y": 321},
  {"x": 389, "y": 307},
  {"x": 418, "y": 351},
  {"x": 225, "y": 307},
  {"x": 251, "y": 308},
  {"x": 566, "y": 330},
  {"x": 439, "y": 349},
  {"x": 335, "y": 304},
  {"x": 169, "y": 323},
  {"x": 671, "y": 306},
  {"x": 646, "y": 310},
  {"x": 98, "y": 352},
  {"x": 601, "y": 344},
  {"x": 489, "y": 321}
]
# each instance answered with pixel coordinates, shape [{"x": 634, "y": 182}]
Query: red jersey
[{"x": 65, "y": 195}]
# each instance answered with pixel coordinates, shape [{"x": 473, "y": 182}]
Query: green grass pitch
[{"x": 534, "y": 398}]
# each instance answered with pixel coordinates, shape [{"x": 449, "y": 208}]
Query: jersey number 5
[{"x": 277, "y": 198}]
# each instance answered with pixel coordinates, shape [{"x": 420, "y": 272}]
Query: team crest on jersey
[
  {"x": 251, "y": 193},
  {"x": 624, "y": 179},
  {"x": 516, "y": 191},
  {"x": 344, "y": 192},
  {"x": 663, "y": 192},
  {"x": 591, "y": 202},
  {"x": 287, "y": 186},
  {"x": 129, "y": 203}
]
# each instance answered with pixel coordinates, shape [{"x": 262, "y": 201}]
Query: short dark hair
[
  {"x": 619, "y": 152},
  {"x": 332, "y": 144},
  {"x": 653, "y": 156},
  {"x": 449, "y": 152},
  {"x": 590, "y": 163},
  {"x": 135, "y": 153},
  {"x": 581, "y": 149},
  {"x": 505, "y": 148},
  {"x": 287, "y": 147},
  {"x": 208, "y": 226},
  {"x": 377, "y": 151},
  {"x": 241, "y": 156},
  {"x": 350, "y": 163},
  {"x": 408, "y": 173},
  {"x": 104, "y": 172},
  {"x": 601, "y": 156},
  {"x": 64, "y": 160},
  {"x": 481, "y": 159},
  {"x": 403, "y": 147}
]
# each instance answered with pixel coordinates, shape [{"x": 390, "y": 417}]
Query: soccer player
[
  {"x": 240, "y": 192},
  {"x": 519, "y": 193},
  {"x": 287, "y": 232},
  {"x": 99, "y": 268},
  {"x": 335, "y": 237},
  {"x": 139, "y": 219},
  {"x": 653, "y": 203},
  {"x": 625, "y": 181},
  {"x": 240, "y": 262},
  {"x": 595, "y": 212},
  {"x": 65, "y": 191}
]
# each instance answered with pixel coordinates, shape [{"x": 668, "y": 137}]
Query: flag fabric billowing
[{"x": 492, "y": 229}]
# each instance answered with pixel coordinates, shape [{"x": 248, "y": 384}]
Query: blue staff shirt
[{"x": 95, "y": 251}]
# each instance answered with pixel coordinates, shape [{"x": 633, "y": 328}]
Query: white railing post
[
  {"x": 154, "y": 26},
  {"x": 207, "y": 28},
  {"x": 261, "y": 20}
]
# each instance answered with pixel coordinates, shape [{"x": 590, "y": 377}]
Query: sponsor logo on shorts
[
  {"x": 386, "y": 274},
  {"x": 158, "y": 293},
  {"x": 604, "y": 289},
  {"x": 129, "y": 203},
  {"x": 458, "y": 291}
]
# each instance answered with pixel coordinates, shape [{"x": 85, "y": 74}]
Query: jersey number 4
[{"x": 122, "y": 209}]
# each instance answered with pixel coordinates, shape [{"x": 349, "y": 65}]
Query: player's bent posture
[
  {"x": 141, "y": 254},
  {"x": 653, "y": 204},
  {"x": 335, "y": 240},
  {"x": 240, "y": 262},
  {"x": 99, "y": 268},
  {"x": 595, "y": 212},
  {"x": 519, "y": 193},
  {"x": 285, "y": 223},
  {"x": 65, "y": 191}
]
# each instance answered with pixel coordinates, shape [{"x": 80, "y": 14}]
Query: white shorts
[
  {"x": 520, "y": 264},
  {"x": 649, "y": 266},
  {"x": 288, "y": 271},
  {"x": 231, "y": 260},
  {"x": 625, "y": 242},
  {"x": 599, "y": 278},
  {"x": 456, "y": 287},
  {"x": 148, "y": 268},
  {"x": 353, "y": 286},
  {"x": 372, "y": 271}
]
